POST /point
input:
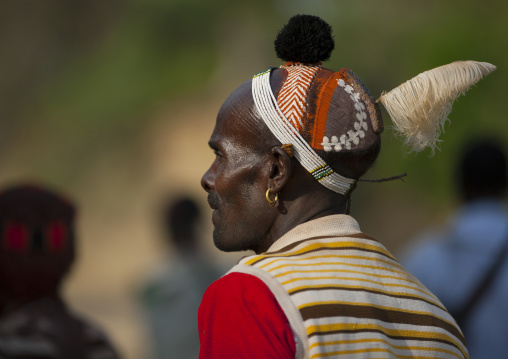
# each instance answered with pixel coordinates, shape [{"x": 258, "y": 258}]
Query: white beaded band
[{"x": 279, "y": 125}]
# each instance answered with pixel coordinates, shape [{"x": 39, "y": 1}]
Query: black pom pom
[{"x": 305, "y": 38}]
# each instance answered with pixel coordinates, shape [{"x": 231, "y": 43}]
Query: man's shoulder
[
  {"x": 236, "y": 283},
  {"x": 240, "y": 293}
]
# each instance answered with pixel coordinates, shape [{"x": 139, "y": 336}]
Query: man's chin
[
  {"x": 219, "y": 243},
  {"x": 224, "y": 245}
]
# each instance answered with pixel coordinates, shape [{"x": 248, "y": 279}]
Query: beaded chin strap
[{"x": 286, "y": 133}]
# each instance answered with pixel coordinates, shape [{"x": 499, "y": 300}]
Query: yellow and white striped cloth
[{"x": 346, "y": 296}]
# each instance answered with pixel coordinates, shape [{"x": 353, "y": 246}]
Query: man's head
[
  {"x": 36, "y": 242},
  {"x": 335, "y": 133},
  {"x": 330, "y": 120},
  {"x": 250, "y": 161},
  {"x": 180, "y": 219},
  {"x": 482, "y": 170}
]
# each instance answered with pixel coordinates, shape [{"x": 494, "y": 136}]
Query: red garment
[{"x": 239, "y": 317}]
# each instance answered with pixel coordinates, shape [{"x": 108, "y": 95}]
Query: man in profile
[{"x": 290, "y": 146}]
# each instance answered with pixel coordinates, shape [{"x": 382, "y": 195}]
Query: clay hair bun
[{"x": 305, "y": 38}]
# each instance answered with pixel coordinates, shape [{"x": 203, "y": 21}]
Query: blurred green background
[{"x": 113, "y": 101}]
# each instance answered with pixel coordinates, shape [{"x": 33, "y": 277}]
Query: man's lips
[{"x": 212, "y": 201}]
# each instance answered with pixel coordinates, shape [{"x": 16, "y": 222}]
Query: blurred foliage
[
  {"x": 90, "y": 73},
  {"x": 153, "y": 51}
]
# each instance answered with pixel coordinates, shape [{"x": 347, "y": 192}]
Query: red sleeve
[{"x": 239, "y": 317}]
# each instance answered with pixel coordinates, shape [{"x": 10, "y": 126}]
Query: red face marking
[
  {"x": 16, "y": 237},
  {"x": 56, "y": 234}
]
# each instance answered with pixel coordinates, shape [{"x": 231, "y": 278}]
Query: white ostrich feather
[{"x": 420, "y": 107}]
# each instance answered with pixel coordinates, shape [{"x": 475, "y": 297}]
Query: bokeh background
[{"x": 113, "y": 101}]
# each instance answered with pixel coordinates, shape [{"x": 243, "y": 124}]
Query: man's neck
[{"x": 301, "y": 210}]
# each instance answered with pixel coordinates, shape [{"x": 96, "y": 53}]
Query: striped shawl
[{"x": 346, "y": 296}]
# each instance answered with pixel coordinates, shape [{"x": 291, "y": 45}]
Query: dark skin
[{"x": 249, "y": 161}]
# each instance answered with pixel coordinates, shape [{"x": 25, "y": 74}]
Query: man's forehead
[
  {"x": 238, "y": 122},
  {"x": 229, "y": 129},
  {"x": 236, "y": 115},
  {"x": 240, "y": 99}
]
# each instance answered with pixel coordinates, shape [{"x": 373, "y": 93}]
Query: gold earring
[{"x": 271, "y": 202}]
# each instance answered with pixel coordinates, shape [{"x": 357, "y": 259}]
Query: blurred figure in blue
[
  {"x": 466, "y": 263},
  {"x": 171, "y": 296},
  {"x": 37, "y": 249}
]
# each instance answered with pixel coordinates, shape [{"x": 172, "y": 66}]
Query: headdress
[{"x": 323, "y": 113}]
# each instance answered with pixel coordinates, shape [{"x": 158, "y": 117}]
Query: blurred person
[
  {"x": 291, "y": 145},
  {"x": 37, "y": 249},
  {"x": 466, "y": 263},
  {"x": 171, "y": 297}
]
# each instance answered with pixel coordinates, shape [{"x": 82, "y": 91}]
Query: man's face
[{"x": 236, "y": 181}]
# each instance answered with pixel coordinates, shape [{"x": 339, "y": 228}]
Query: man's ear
[{"x": 280, "y": 170}]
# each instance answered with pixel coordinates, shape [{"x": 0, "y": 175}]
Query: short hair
[
  {"x": 180, "y": 217},
  {"x": 482, "y": 169}
]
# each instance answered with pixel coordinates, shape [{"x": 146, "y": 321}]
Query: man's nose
[{"x": 207, "y": 181}]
